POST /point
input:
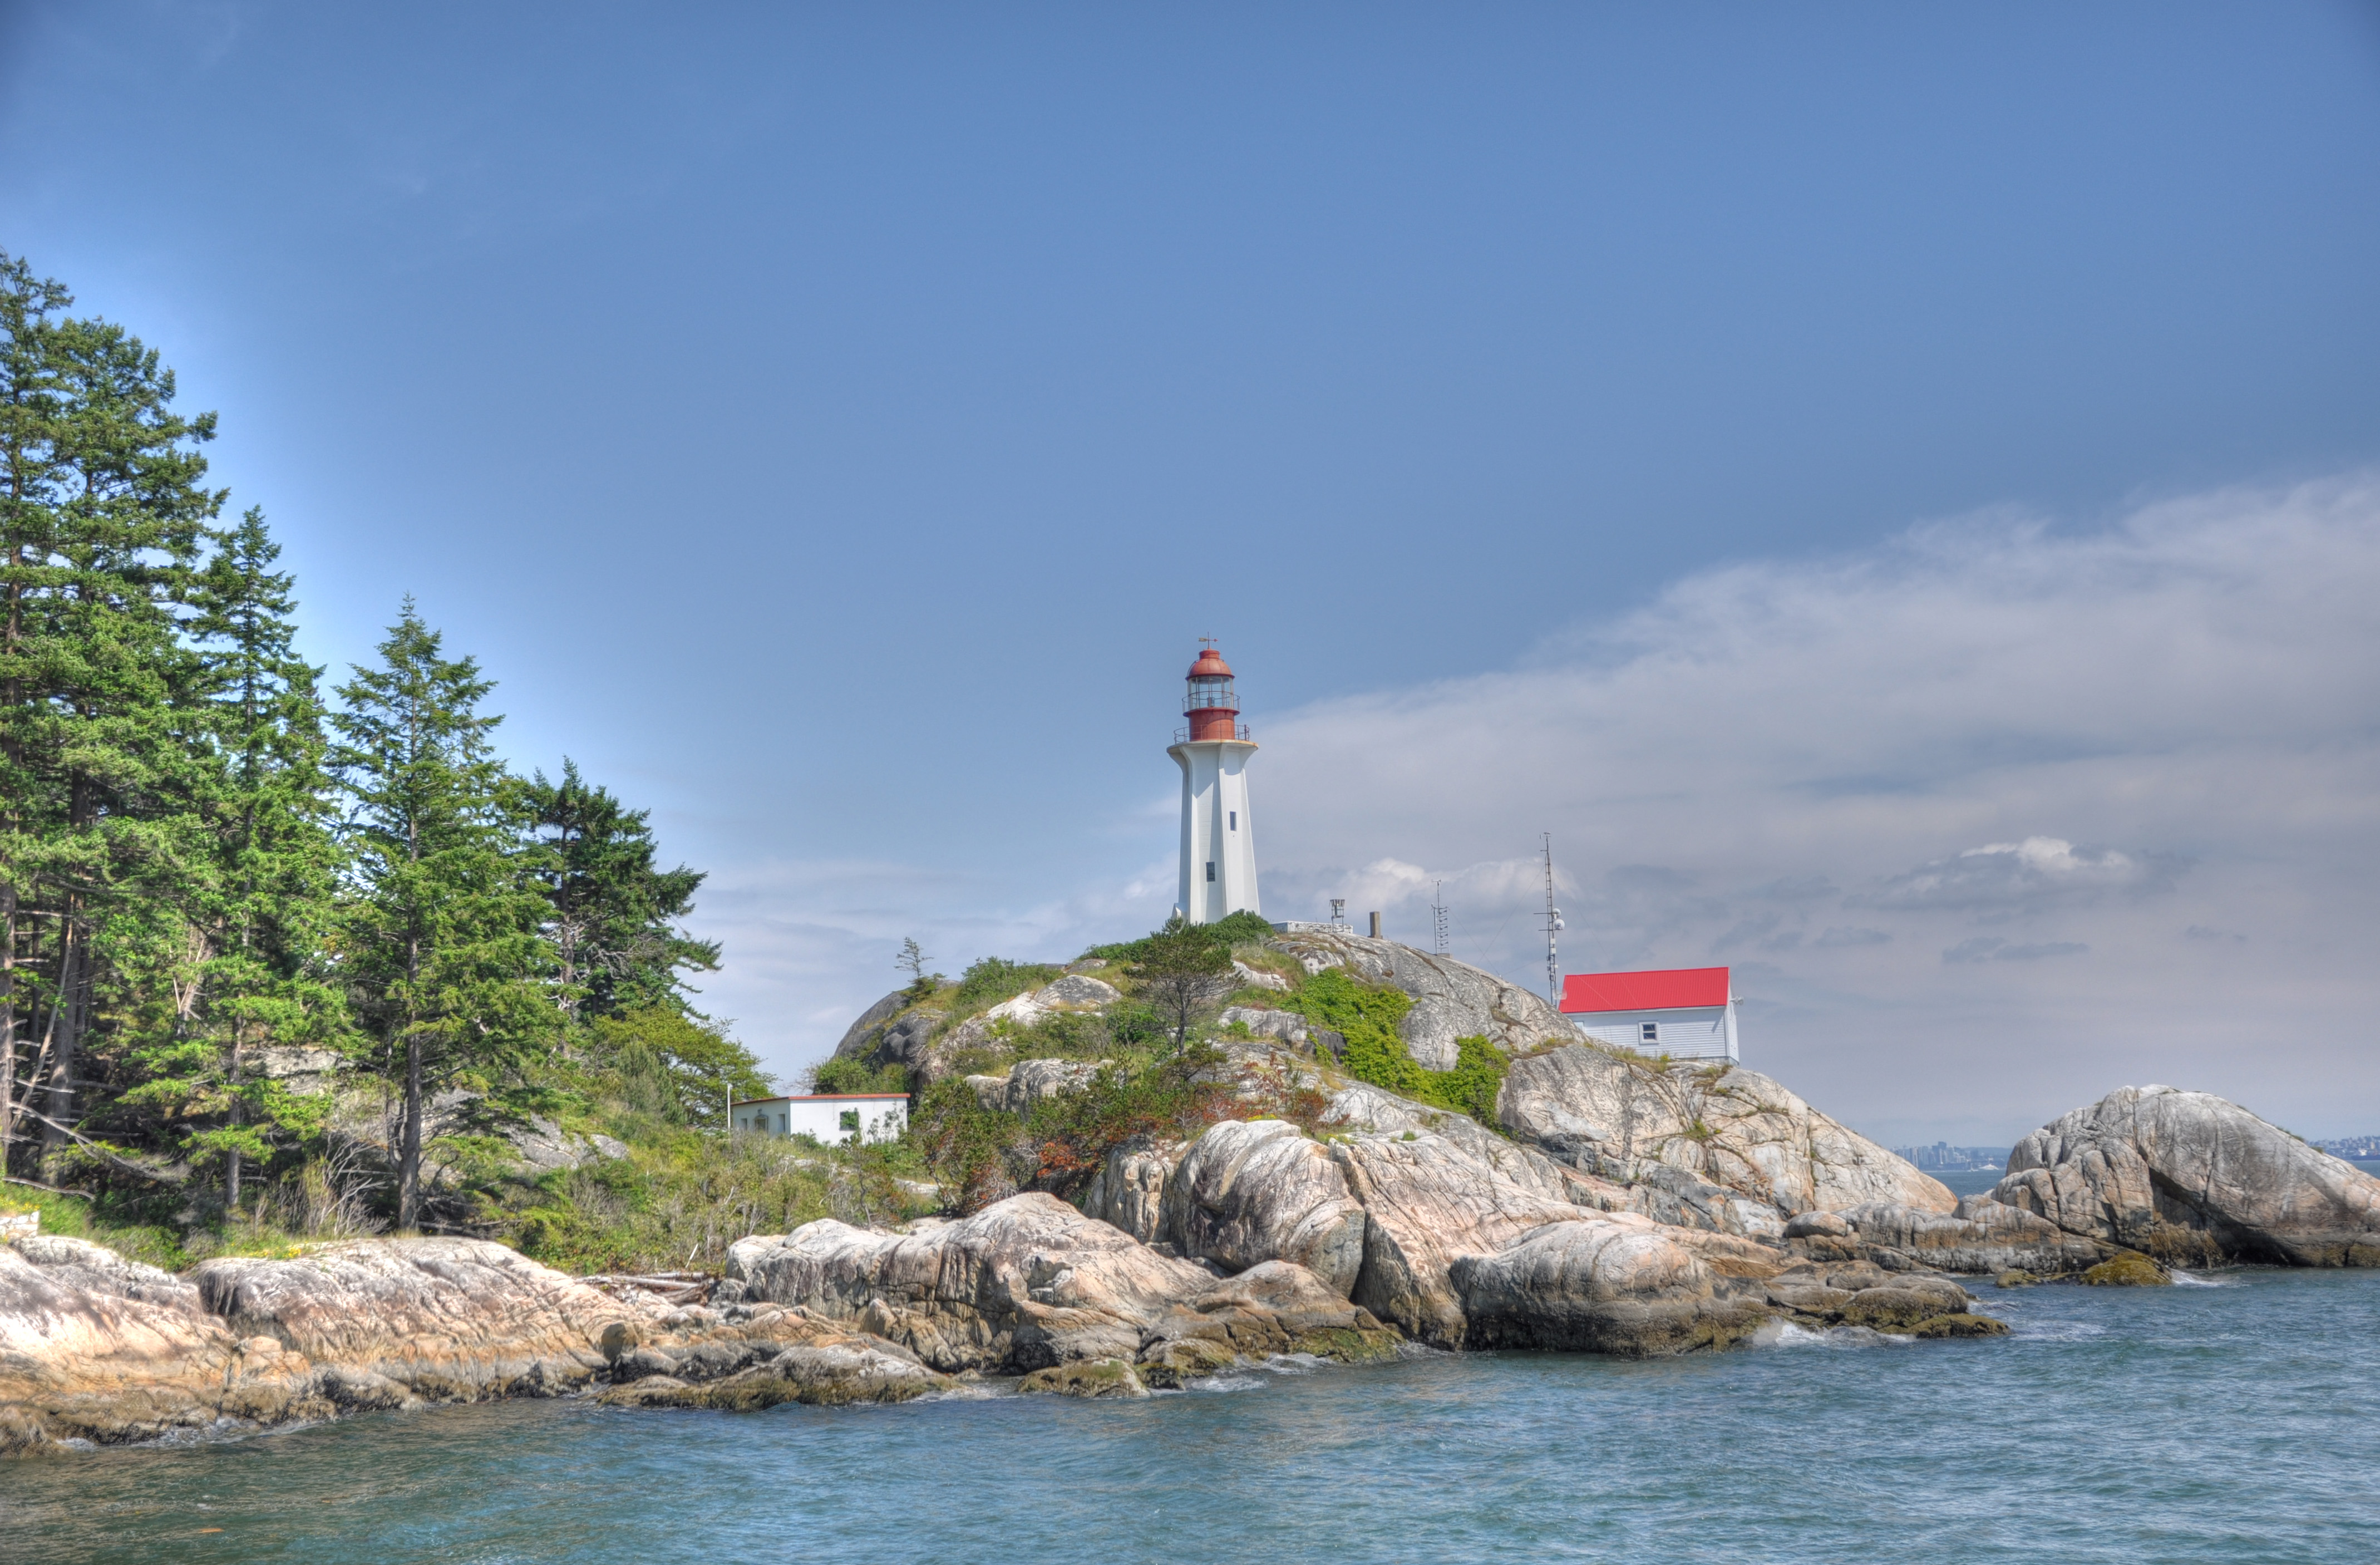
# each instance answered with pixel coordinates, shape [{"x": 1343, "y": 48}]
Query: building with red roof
[{"x": 1685, "y": 1013}]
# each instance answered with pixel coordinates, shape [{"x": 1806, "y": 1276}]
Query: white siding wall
[
  {"x": 1217, "y": 828},
  {"x": 880, "y": 1118},
  {"x": 1701, "y": 1032}
]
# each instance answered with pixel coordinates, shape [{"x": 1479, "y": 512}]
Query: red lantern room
[{"x": 1212, "y": 708}]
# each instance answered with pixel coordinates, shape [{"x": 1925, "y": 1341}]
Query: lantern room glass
[{"x": 1209, "y": 693}]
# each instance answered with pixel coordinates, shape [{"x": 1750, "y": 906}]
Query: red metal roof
[
  {"x": 1671, "y": 989},
  {"x": 1210, "y": 665}
]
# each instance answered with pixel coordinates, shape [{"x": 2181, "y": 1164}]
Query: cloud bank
[{"x": 1988, "y": 821}]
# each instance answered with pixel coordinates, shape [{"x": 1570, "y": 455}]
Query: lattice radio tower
[{"x": 1438, "y": 916}]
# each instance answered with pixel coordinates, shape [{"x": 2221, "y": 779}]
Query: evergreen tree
[
  {"x": 254, "y": 969},
  {"x": 442, "y": 947},
  {"x": 104, "y": 516},
  {"x": 615, "y": 949}
]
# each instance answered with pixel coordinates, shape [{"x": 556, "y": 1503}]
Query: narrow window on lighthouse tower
[
  {"x": 1211, "y": 872},
  {"x": 1235, "y": 820}
]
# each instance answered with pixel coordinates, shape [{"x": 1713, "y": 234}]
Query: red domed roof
[{"x": 1210, "y": 665}]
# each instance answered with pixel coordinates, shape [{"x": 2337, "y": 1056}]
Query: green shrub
[
  {"x": 1224, "y": 933},
  {"x": 994, "y": 979},
  {"x": 1366, "y": 1016},
  {"x": 856, "y": 1075},
  {"x": 1472, "y": 1085}
]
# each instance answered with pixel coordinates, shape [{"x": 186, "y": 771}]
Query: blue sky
[{"x": 833, "y": 427}]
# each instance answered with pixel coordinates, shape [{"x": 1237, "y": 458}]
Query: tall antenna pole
[
  {"x": 1553, "y": 923},
  {"x": 1438, "y": 916}
]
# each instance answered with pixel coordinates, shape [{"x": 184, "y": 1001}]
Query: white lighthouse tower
[{"x": 1218, "y": 837}]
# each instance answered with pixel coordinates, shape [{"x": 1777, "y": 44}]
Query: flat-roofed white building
[
  {"x": 831, "y": 1117},
  {"x": 1685, "y": 1013}
]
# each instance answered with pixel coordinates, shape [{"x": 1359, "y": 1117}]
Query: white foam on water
[
  {"x": 2184, "y": 1280},
  {"x": 1225, "y": 1383},
  {"x": 1785, "y": 1334},
  {"x": 1292, "y": 1364},
  {"x": 2057, "y": 1331}
]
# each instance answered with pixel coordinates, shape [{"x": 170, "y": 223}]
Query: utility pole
[{"x": 1553, "y": 924}]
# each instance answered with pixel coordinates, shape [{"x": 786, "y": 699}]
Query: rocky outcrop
[
  {"x": 1626, "y": 1119},
  {"x": 1426, "y": 1202},
  {"x": 1128, "y": 1192},
  {"x": 1601, "y": 1285},
  {"x": 2177, "y": 1174},
  {"x": 1257, "y": 1191},
  {"x": 1860, "y": 1294},
  {"x": 1025, "y": 1284},
  {"x": 98, "y": 1348},
  {"x": 1451, "y": 999},
  {"x": 448, "y": 1319},
  {"x": 781, "y": 1356},
  {"x": 1286, "y": 1026},
  {"x": 1982, "y": 1237},
  {"x": 864, "y": 1034},
  {"x": 1029, "y": 1081},
  {"x": 1031, "y": 1284}
]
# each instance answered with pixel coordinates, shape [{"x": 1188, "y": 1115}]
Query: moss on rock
[
  {"x": 1091, "y": 1377},
  {"x": 2127, "y": 1268}
]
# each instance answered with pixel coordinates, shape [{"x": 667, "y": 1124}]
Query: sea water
[{"x": 2234, "y": 1417}]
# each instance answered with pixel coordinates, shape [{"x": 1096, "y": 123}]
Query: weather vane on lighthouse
[{"x": 1218, "y": 842}]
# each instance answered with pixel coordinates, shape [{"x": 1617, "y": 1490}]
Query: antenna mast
[
  {"x": 1438, "y": 916},
  {"x": 1553, "y": 923}
]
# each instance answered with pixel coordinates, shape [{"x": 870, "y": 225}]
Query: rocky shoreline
[{"x": 1620, "y": 1206}]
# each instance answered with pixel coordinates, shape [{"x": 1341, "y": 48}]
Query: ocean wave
[
  {"x": 1785, "y": 1334},
  {"x": 2057, "y": 1331},
  {"x": 2184, "y": 1280},
  {"x": 1240, "y": 1382}
]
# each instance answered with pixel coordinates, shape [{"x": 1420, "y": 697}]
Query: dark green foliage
[
  {"x": 1180, "y": 970},
  {"x": 1237, "y": 928},
  {"x": 984, "y": 1155},
  {"x": 1367, "y": 1014},
  {"x": 859, "y": 1075},
  {"x": 667, "y": 1066},
  {"x": 1472, "y": 1085},
  {"x": 614, "y": 947},
  {"x": 994, "y": 979},
  {"x": 442, "y": 949}
]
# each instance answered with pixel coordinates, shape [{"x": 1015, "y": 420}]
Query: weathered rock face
[
  {"x": 1821, "y": 1294},
  {"x": 1426, "y": 1202},
  {"x": 1598, "y": 1285},
  {"x": 780, "y": 1357},
  {"x": 95, "y": 1347},
  {"x": 1128, "y": 1192},
  {"x": 1031, "y": 1284},
  {"x": 863, "y": 1035},
  {"x": 1451, "y": 999},
  {"x": 2151, "y": 1168},
  {"x": 1257, "y": 1191},
  {"x": 1025, "y": 1284},
  {"x": 449, "y": 1319},
  {"x": 1029, "y": 1081},
  {"x": 1737, "y": 1129},
  {"x": 1982, "y": 1237}
]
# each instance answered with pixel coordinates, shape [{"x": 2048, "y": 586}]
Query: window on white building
[
  {"x": 1211, "y": 872},
  {"x": 1652, "y": 1032},
  {"x": 849, "y": 1119},
  {"x": 1235, "y": 820}
]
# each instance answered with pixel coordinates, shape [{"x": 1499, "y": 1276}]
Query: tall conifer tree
[
  {"x": 106, "y": 512},
  {"x": 442, "y": 947},
  {"x": 615, "y": 949}
]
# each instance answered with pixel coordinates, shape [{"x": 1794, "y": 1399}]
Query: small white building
[
  {"x": 829, "y": 1118},
  {"x": 1685, "y": 1013}
]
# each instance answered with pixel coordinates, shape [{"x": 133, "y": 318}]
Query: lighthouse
[{"x": 1219, "y": 838}]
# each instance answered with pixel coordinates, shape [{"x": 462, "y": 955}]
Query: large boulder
[
  {"x": 1128, "y": 1191},
  {"x": 1602, "y": 1285},
  {"x": 862, "y": 1036},
  {"x": 1451, "y": 999},
  {"x": 448, "y": 1319},
  {"x": 1272, "y": 1308},
  {"x": 1255, "y": 1191},
  {"x": 1623, "y": 1118},
  {"x": 1427, "y": 1203},
  {"x": 1025, "y": 1284},
  {"x": 1983, "y": 1236},
  {"x": 2181, "y": 1175}
]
